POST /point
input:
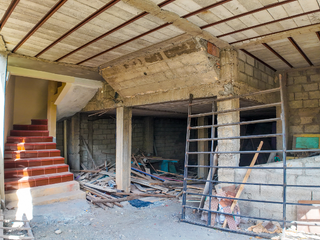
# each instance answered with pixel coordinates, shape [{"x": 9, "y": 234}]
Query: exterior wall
[
  {"x": 304, "y": 102},
  {"x": 30, "y": 100},
  {"x": 59, "y": 137},
  {"x": 254, "y": 73},
  {"x": 272, "y": 193},
  {"x": 9, "y": 105}
]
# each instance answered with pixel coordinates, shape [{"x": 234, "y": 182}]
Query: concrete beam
[
  {"x": 123, "y": 148},
  {"x": 181, "y": 23},
  {"x": 3, "y": 77},
  {"x": 277, "y": 36}
]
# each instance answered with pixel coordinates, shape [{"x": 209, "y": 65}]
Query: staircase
[{"x": 31, "y": 160}]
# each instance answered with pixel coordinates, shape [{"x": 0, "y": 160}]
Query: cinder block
[
  {"x": 316, "y": 194},
  {"x": 290, "y": 80},
  {"x": 250, "y": 60},
  {"x": 310, "y": 87},
  {"x": 251, "y": 209},
  {"x": 310, "y": 103},
  {"x": 315, "y": 78},
  {"x": 295, "y": 104},
  {"x": 248, "y": 69},
  {"x": 301, "y": 95},
  {"x": 306, "y": 180},
  {"x": 306, "y": 120},
  {"x": 294, "y": 194},
  {"x": 295, "y": 171},
  {"x": 294, "y": 88},
  {"x": 301, "y": 79},
  {"x": 311, "y": 128},
  {"x": 314, "y": 95},
  {"x": 243, "y": 77},
  {"x": 242, "y": 56},
  {"x": 271, "y": 193}
]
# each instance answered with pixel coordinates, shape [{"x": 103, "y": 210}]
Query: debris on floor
[{"x": 266, "y": 227}]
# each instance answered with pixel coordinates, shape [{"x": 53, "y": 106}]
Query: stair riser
[
  {"x": 39, "y": 121},
  {"x": 23, "y": 133},
  {"x": 31, "y": 155},
  {"x": 30, "y": 127},
  {"x": 29, "y": 139},
  {"x": 34, "y": 172},
  {"x": 29, "y": 146},
  {"x": 31, "y": 163},
  {"x": 39, "y": 181}
]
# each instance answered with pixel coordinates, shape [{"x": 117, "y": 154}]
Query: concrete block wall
[
  {"x": 272, "y": 193},
  {"x": 303, "y": 94},
  {"x": 170, "y": 137},
  {"x": 254, "y": 73}
]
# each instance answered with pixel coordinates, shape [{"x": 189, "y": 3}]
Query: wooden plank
[
  {"x": 245, "y": 179},
  {"x": 105, "y": 189},
  {"x": 146, "y": 183}
]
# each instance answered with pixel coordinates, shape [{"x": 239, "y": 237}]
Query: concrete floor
[{"x": 77, "y": 219}]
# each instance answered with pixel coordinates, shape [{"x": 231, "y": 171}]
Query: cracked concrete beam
[{"x": 177, "y": 21}]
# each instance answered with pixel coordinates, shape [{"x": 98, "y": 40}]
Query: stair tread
[
  {"x": 9, "y": 180},
  {"x": 31, "y": 143},
  {"x": 34, "y": 158},
  {"x": 35, "y": 150},
  {"x": 35, "y": 167}
]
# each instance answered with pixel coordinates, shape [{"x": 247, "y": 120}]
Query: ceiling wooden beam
[
  {"x": 279, "y": 32},
  {"x": 271, "y": 22},
  {"x": 247, "y": 13},
  {"x": 258, "y": 59},
  {"x": 300, "y": 50},
  {"x": 277, "y": 54},
  {"x": 135, "y": 19},
  {"x": 40, "y": 23},
  {"x": 8, "y": 12},
  {"x": 79, "y": 25}
]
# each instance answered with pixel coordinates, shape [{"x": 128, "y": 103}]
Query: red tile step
[
  {"x": 31, "y": 153},
  {"x": 29, "y": 146},
  {"x": 36, "y": 181},
  {"x": 32, "y": 162},
  {"x": 25, "y": 133},
  {"x": 39, "y": 121},
  {"x": 30, "y": 127},
  {"x": 17, "y": 139},
  {"x": 35, "y": 171}
]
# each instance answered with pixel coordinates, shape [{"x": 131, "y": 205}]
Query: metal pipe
[
  {"x": 254, "y": 167},
  {"x": 272, "y": 90},
  {"x": 237, "y": 109},
  {"x": 233, "y": 152},
  {"x": 237, "y": 123},
  {"x": 238, "y": 137}
]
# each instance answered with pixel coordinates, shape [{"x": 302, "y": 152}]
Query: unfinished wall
[
  {"x": 59, "y": 137},
  {"x": 30, "y": 100},
  {"x": 170, "y": 137},
  {"x": 9, "y": 106},
  {"x": 304, "y": 102},
  {"x": 272, "y": 193}
]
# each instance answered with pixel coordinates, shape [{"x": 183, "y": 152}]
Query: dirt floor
[{"x": 78, "y": 219}]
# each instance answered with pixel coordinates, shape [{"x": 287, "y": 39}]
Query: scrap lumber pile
[{"x": 101, "y": 189}]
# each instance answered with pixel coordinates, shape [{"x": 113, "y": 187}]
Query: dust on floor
[{"x": 79, "y": 220}]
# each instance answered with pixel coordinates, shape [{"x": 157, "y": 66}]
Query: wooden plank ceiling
[{"x": 94, "y": 32}]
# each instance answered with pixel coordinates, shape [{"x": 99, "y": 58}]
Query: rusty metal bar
[
  {"x": 237, "y": 123},
  {"x": 205, "y": 8},
  {"x": 237, "y": 109},
  {"x": 8, "y": 12},
  {"x": 238, "y": 96},
  {"x": 300, "y": 50},
  {"x": 238, "y": 137},
  {"x": 258, "y": 59},
  {"x": 55, "y": 8},
  {"x": 277, "y": 54},
  {"x": 267, "y": 23},
  {"x": 79, "y": 25},
  {"x": 248, "y": 13},
  {"x": 268, "y": 34}
]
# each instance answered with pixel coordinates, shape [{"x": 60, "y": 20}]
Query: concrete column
[
  {"x": 227, "y": 174},
  {"x": 52, "y": 109},
  {"x": 123, "y": 148},
  {"x": 3, "y": 76},
  {"x": 203, "y": 147},
  {"x": 228, "y": 74},
  {"x": 74, "y": 142},
  {"x": 148, "y": 134}
]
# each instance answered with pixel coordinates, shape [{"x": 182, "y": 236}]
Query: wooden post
[
  {"x": 3, "y": 76},
  {"x": 52, "y": 109},
  {"x": 202, "y": 147},
  {"x": 123, "y": 148}
]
